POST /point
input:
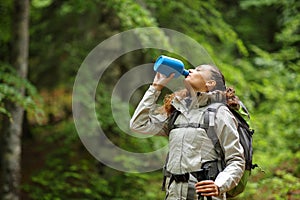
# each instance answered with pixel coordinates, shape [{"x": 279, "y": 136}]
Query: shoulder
[
  {"x": 224, "y": 110},
  {"x": 224, "y": 114},
  {"x": 219, "y": 108}
]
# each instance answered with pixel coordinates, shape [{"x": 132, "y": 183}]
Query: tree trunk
[{"x": 12, "y": 128}]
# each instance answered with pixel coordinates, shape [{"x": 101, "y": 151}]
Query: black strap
[
  {"x": 173, "y": 118},
  {"x": 189, "y": 125},
  {"x": 191, "y": 191},
  {"x": 165, "y": 174},
  {"x": 209, "y": 117},
  {"x": 179, "y": 178}
]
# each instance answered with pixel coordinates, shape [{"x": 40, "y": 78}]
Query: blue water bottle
[{"x": 167, "y": 65}]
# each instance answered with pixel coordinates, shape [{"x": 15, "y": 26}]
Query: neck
[{"x": 194, "y": 93}]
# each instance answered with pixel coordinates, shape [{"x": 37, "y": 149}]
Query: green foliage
[
  {"x": 69, "y": 29},
  {"x": 255, "y": 43},
  {"x": 5, "y": 24},
  {"x": 202, "y": 21},
  {"x": 70, "y": 173},
  {"x": 41, "y": 4},
  {"x": 274, "y": 85},
  {"x": 285, "y": 184},
  {"x": 11, "y": 86},
  {"x": 131, "y": 14},
  {"x": 64, "y": 176},
  {"x": 74, "y": 182}
]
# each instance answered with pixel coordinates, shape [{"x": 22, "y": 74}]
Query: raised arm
[{"x": 146, "y": 118}]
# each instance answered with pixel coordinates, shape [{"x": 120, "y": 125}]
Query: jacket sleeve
[
  {"x": 226, "y": 129},
  {"x": 146, "y": 119}
]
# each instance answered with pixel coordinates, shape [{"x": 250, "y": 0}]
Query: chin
[{"x": 187, "y": 84}]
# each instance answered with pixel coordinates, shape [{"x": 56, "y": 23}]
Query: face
[{"x": 199, "y": 79}]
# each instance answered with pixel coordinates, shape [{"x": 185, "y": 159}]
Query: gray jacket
[{"x": 190, "y": 147}]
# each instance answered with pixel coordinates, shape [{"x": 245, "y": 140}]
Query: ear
[{"x": 211, "y": 84}]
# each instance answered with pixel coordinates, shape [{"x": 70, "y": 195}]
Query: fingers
[
  {"x": 171, "y": 76},
  {"x": 205, "y": 182},
  {"x": 161, "y": 76},
  {"x": 207, "y": 188},
  {"x": 161, "y": 80}
]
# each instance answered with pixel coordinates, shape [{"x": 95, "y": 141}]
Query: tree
[
  {"x": 255, "y": 43},
  {"x": 12, "y": 125}
]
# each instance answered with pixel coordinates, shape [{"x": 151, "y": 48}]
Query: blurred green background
[{"x": 255, "y": 43}]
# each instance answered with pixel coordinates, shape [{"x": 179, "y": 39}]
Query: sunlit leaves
[{"x": 11, "y": 86}]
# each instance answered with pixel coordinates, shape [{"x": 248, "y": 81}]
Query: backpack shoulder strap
[
  {"x": 172, "y": 119},
  {"x": 209, "y": 121},
  {"x": 171, "y": 122}
]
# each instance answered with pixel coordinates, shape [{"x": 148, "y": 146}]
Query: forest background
[{"x": 255, "y": 43}]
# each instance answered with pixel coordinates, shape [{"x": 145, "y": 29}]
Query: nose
[{"x": 191, "y": 71}]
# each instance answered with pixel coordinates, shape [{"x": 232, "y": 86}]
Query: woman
[{"x": 190, "y": 148}]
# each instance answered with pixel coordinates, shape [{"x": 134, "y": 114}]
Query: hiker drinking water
[{"x": 193, "y": 168}]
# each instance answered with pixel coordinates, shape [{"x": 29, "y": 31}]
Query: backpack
[{"x": 245, "y": 138}]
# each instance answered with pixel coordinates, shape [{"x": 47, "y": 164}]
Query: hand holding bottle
[{"x": 161, "y": 80}]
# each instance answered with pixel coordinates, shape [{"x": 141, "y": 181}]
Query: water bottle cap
[{"x": 185, "y": 72}]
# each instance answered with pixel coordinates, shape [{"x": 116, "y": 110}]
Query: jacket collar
[{"x": 200, "y": 100}]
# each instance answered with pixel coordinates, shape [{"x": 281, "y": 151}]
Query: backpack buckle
[{"x": 181, "y": 177}]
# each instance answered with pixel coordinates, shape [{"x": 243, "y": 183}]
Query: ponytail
[{"x": 231, "y": 99}]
